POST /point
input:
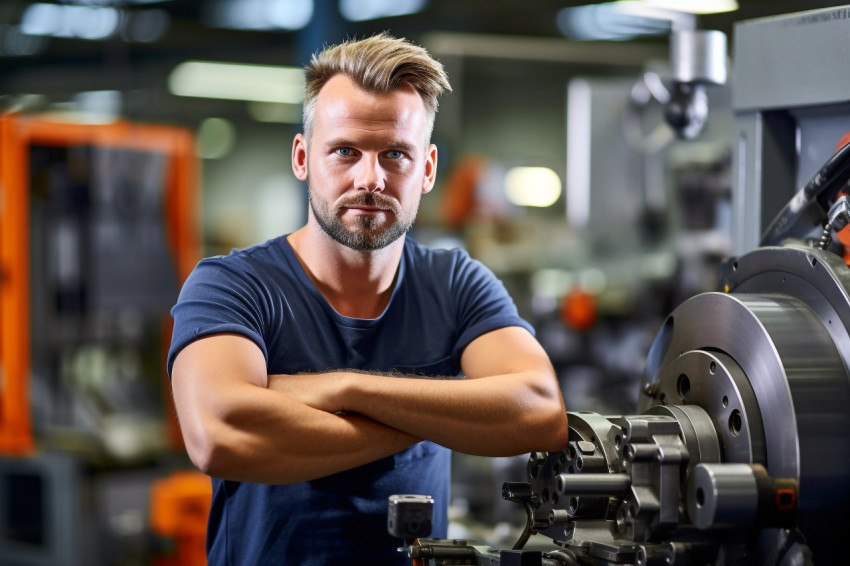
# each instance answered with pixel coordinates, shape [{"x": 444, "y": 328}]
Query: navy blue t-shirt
[{"x": 442, "y": 300}]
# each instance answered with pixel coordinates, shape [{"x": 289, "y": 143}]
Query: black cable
[{"x": 809, "y": 207}]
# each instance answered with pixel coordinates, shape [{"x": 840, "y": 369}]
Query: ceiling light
[
  {"x": 532, "y": 186},
  {"x": 230, "y": 81},
  {"x": 361, "y": 10},
  {"x": 80, "y": 22},
  {"x": 694, "y": 6},
  {"x": 607, "y": 22},
  {"x": 275, "y": 112},
  {"x": 622, "y": 20},
  {"x": 111, "y": 2},
  {"x": 260, "y": 14}
]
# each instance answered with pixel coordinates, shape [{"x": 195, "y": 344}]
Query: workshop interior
[{"x": 661, "y": 186}]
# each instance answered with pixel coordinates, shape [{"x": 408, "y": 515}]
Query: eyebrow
[{"x": 395, "y": 144}]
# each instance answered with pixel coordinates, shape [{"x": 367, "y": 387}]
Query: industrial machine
[
  {"x": 737, "y": 451},
  {"x": 98, "y": 227}
]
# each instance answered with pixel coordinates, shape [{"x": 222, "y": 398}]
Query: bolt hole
[
  {"x": 684, "y": 387},
  {"x": 573, "y": 505},
  {"x": 735, "y": 422},
  {"x": 725, "y": 401},
  {"x": 712, "y": 368},
  {"x": 735, "y": 266},
  {"x": 579, "y": 463},
  {"x": 814, "y": 261},
  {"x": 618, "y": 442},
  {"x": 700, "y": 497}
]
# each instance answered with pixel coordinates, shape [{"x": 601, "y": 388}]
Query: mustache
[{"x": 369, "y": 199}]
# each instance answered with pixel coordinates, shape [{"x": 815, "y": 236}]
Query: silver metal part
[
  {"x": 714, "y": 381},
  {"x": 698, "y": 56},
  {"x": 595, "y": 485},
  {"x": 839, "y": 214},
  {"x": 741, "y": 431},
  {"x": 722, "y": 495},
  {"x": 779, "y": 343}
]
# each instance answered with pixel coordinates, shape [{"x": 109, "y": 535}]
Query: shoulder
[
  {"x": 453, "y": 267},
  {"x": 419, "y": 256},
  {"x": 254, "y": 258},
  {"x": 245, "y": 272}
]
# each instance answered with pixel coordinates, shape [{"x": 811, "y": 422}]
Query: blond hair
[{"x": 377, "y": 64}]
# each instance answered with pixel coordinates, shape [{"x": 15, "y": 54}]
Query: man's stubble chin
[{"x": 368, "y": 235}]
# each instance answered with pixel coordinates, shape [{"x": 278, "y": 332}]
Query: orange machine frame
[{"x": 17, "y": 134}]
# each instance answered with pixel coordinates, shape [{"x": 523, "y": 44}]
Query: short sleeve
[
  {"x": 483, "y": 302},
  {"x": 218, "y": 297}
]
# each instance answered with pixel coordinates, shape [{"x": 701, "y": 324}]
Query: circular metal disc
[{"x": 776, "y": 340}]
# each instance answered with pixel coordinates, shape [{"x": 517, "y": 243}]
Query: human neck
[{"x": 357, "y": 284}]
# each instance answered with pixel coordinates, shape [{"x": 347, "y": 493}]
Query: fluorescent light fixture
[
  {"x": 694, "y": 6},
  {"x": 275, "y": 112},
  {"x": 579, "y": 101},
  {"x": 260, "y": 14},
  {"x": 362, "y": 10},
  {"x": 611, "y": 22},
  {"x": 81, "y": 22},
  {"x": 623, "y": 20},
  {"x": 231, "y": 81},
  {"x": 111, "y": 2},
  {"x": 532, "y": 186}
]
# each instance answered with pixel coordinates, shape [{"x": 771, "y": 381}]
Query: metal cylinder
[
  {"x": 722, "y": 495},
  {"x": 593, "y": 485},
  {"x": 698, "y": 56}
]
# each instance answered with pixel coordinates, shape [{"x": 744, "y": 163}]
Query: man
[{"x": 317, "y": 374}]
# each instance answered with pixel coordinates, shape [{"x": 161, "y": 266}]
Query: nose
[{"x": 370, "y": 176}]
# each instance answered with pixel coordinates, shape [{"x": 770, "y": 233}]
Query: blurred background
[{"x": 137, "y": 136}]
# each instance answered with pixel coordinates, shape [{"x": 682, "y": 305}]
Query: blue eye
[
  {"x": 344, "y": 151},
  {"x": 395, "y": 154}
]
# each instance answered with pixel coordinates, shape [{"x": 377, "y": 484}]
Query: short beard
[{"x": 368, "y": 237}]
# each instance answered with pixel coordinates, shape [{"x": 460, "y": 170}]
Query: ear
[
  {"x": 299, "y": 157},
  {"x": 430, "y": 169}
]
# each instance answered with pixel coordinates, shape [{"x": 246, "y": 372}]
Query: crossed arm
[{"x": 240, "y": 423}]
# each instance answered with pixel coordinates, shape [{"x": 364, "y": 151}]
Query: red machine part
[{"x": 179, "y": 507}]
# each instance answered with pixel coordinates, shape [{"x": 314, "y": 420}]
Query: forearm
[
  {"x": 494, "y": 416},
  {"x": 235, "y": 427},
  {"x": 265, "y": 437}
]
